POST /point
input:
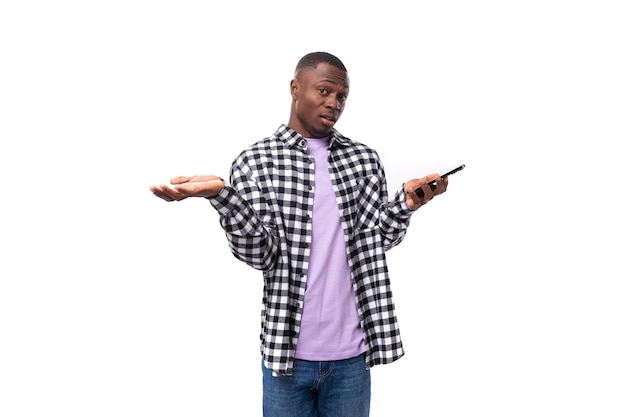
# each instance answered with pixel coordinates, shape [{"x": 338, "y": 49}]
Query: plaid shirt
[{"x": 266, "y": 214}]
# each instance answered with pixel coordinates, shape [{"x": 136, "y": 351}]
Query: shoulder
[
  {"x": 352, "y": 145},
  {"x": 262, "y": 149}
]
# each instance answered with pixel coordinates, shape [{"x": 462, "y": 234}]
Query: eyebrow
[{"x": 326, "y": 80}]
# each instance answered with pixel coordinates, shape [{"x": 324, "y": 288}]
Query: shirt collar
[{"x": 294, "y": 139}]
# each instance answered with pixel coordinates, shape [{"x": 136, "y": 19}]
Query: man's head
[{"x": 319, "y": 91}]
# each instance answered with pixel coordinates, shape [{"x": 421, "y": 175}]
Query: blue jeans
[{"x": 319, "y": 389}]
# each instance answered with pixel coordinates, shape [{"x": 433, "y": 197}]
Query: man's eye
[{"x": 323, "y": 90}]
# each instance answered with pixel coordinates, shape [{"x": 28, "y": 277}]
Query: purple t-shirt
[{"x": 330, "y": 328}]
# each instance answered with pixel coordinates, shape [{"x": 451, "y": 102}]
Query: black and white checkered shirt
[{"x": 266, "y": 214}]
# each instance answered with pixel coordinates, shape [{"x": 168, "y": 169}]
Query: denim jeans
[{"x": 319, "y": 389}]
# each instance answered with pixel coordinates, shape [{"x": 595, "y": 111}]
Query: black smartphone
[
  {"x": 433, "y": 185},
  {"x": 454, "y": 170}
]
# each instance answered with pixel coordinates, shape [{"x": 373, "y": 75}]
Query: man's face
[{"x": 319, "y": 97}]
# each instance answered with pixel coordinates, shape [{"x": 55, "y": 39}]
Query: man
[{"x": 308, "y": 207}]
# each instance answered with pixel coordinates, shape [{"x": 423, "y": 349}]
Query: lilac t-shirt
[{"x": 330, "y": 328}]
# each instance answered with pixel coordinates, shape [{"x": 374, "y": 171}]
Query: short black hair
[{"x": 312, "y": 59}]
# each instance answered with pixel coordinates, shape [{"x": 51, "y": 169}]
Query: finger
[
  {"x": 157, "y": 192},
  {"x": 194, "y": 178},
  {"x": 435, "y": 181},
  {"x": 424, "y": 194},
  {"x": 170, "y": 193},
  {"x": 179, "y": 180},
  {"x": 414, "y": 198}
]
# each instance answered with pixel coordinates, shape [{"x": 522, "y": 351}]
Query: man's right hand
[{"x": 183, "y": 187}]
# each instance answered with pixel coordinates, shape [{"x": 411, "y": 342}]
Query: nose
[{"x": 333, "y": 103}]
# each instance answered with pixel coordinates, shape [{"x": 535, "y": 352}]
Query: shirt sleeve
[
  {"x": 249, "y": 240},
  {"x": 394, "y": 218}
]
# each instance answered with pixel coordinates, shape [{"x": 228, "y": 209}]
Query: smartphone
[
  {"x": 453, "y": 170},
  {"x": 433, "y": 184}
]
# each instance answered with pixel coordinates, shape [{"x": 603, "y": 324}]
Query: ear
[{"x": 293, "y": 86}]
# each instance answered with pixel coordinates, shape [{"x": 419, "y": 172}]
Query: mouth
[{"x": 328, "y": 119}]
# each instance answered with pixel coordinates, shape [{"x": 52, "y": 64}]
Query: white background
[{"x": 509, "y": 288}]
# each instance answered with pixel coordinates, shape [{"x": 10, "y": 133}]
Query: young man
[{"x": 309, "y": 207}]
